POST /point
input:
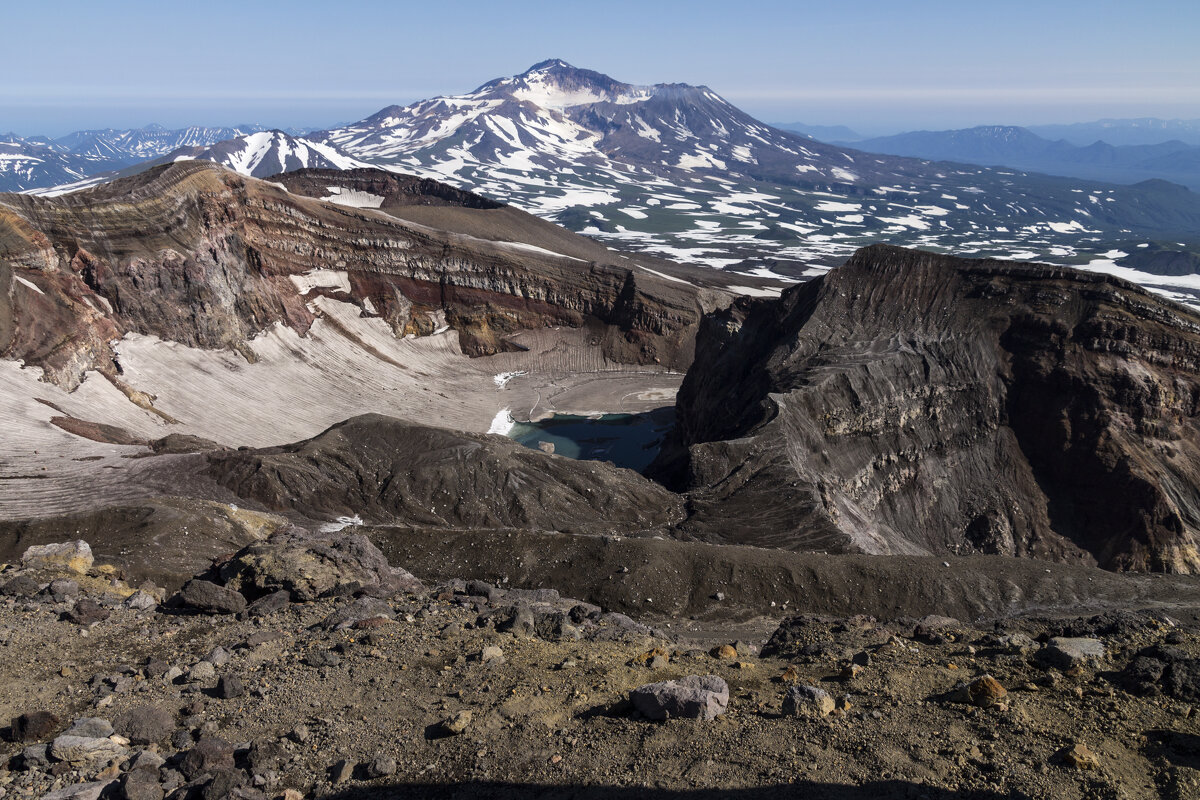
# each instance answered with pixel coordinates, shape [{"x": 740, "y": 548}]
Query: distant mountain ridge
[
  {"x": 822, "y": 133},
  {"x": 37, "y": 162},
  {"x": 1021, "y": 148},
  {"x": 1144, "y": 130}
]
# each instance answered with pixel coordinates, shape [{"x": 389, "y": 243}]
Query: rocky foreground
[{"x": 307, "y": 666}]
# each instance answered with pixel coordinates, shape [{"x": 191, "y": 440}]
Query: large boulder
[
  {"x": 73, "y": 556},
  {"x": 145, "y": 724},
  {"x": 309, "y": 566},
  {"x": 1066, "y": 652},
  {"x": 694, "y": 697}
]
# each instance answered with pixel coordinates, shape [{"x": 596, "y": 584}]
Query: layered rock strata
[{"x": 909, "y": 402}]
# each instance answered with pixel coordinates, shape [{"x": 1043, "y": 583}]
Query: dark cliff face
[
  {"x": 915, "y": 403},
  {"x": 196, "y": 254}
]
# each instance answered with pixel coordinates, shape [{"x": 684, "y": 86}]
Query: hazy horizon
[{"x": 880, "y": 68}]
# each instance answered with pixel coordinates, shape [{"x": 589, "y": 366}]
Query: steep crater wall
[
  {"x": 914, "y": 403},
  {"x": 196, "y": 254}
]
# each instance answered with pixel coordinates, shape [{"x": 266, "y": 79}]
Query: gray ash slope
[{"x": 914, "y": 403}]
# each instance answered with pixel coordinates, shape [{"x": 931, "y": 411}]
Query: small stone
[
  {"x": 659, "y": 662},
  {"x": 140, "y": 601},
  {"x": 146, "y": 759},
  {"x": 73, "y": 556},
  {"x": 87, "y": 612},
  {"x": 724, "y": 652},
  {"x": 292, "y": 794},
  {"x": 202, "y": 672},
  {"x": 33, "y": 726},
  {"x": 299, "y": 734},
  {"x": 21, "y": 586},
  {"x": 36, "y": 756},
  {"x": 694, "y": 697},
  {"x": 322, "y": 658},
  {"x": 381, "y": 766},
  {"x": 807, "y": 701},
  {"x": 341, "y": 772},
  {"x": 1080, "y": 756},
  {"x": 219, "y": 657},
  {"x": 63, "y": 589},
  {"x": 492, "y": 655},
  {"x": 851, "y": 671},
  {"x": 983, "y": 692},
  {"x": 455, "y": 725},
  {"x": 229, "y": 687}
]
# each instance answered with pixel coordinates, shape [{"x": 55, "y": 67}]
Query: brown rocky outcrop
[
  {"x": 196, "y": 254},
  {"x": 909, "y": 402}
]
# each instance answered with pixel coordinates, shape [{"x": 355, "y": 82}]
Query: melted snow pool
[{"x": 627, "y": 440}]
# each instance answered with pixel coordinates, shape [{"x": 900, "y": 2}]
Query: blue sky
[{"x": 875, "y": 66}]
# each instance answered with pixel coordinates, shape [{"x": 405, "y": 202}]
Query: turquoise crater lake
[{"x": 627, "y": 440}]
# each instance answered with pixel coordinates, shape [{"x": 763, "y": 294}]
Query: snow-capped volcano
[
  {"x": 555, "y": 115},
  {"x": 678, "y": 171}
]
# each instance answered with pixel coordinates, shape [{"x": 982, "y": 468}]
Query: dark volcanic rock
[
  {"x": 141, "y": 784},
  {"x": 33, "y": 726},
  {"x": 916, "y": 403},
  {"x": 211, "y": 598},
  {"x": 1164, "y": 669},
  {"x": 208, "y": 755},
  {"x": 399, "y": 472},
  {"x": 87, "y": 612},
  {"x": 145, "y": 724},
  {"x": 269, "y": 604}
]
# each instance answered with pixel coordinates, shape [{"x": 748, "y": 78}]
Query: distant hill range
[
  {"x": 1021, "y": 148},
  {"x": 822, "y": 133}
]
